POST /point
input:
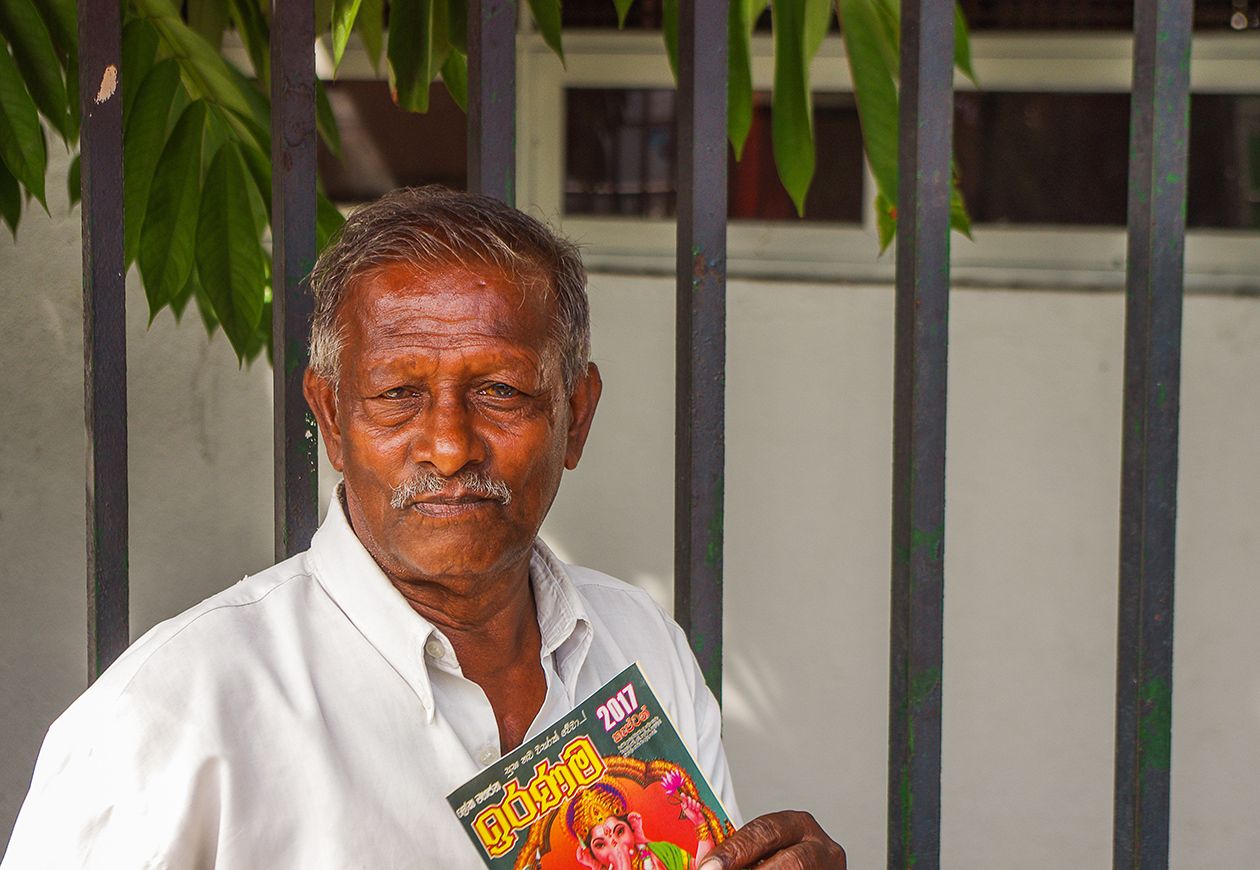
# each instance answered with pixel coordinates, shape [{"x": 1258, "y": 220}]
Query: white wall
[{"x": 1031, "y": 540}]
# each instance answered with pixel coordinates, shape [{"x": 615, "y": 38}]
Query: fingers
[{"x": 784, "y": 841}]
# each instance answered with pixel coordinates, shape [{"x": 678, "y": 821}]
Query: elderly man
[{"x": 316, "y": 715}]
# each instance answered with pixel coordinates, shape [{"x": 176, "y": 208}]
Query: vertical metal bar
[
  {"x": 492, "y": 98},
  {"x": 700, "y": 374},
  {"x": 293, "y": 257},
  {"x": 1152, "y": 384},
  {"x": 918, "y": 533},
  {"x": 104, "y": 329}
]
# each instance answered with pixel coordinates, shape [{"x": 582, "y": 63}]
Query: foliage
[
  {"x": 197, "y": 186},
  {"x": 872, "y": 34}
]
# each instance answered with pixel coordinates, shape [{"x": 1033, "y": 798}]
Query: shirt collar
[
  {"x": 359, "y": 587},
  {"x": 562, "y": 620}
]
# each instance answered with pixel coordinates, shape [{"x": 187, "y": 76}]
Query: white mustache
[{"x": 425, "y": 482}]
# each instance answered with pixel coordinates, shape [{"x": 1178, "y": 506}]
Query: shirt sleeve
[{"x": 117, "y": 791}]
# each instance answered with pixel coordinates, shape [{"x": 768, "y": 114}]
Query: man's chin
[{"x": 454, "y": 552}]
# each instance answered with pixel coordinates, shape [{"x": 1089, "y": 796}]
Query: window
[
  {"x": 1042, "y": 151},
  {"x": 1049, "y": 209}
]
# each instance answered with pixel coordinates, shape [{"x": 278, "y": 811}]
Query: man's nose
[{"x": 448, "y": 439}]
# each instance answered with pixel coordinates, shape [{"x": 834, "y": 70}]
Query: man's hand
[{"x": 785, "y": 841}]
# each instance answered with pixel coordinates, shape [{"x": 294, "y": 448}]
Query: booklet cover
[{"x": 608, "y": 786}]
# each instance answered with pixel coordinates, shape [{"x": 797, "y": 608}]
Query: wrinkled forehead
[
  {"x": 532, "y": 285},
  {"x": 376, "y": 298}
]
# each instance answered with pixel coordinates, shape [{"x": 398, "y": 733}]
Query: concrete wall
[{"x": 1031, "y": 542}]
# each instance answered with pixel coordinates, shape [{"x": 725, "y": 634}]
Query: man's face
[
  {"x": 449, "y": 371},
  {"x": 612, "y": 843}
]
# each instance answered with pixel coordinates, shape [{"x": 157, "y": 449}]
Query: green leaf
[
  {"x": 371, "y": 29},
  {"x": 143, "y": 137},
  {"x": 256, "y": 36},
  {"x": 259, "y": 166},
  {"x": 208, "y": 19},
  {"x": 455, "y": 75},
  {"x": 170, "y": 223},
  {"x": 962, "y": 46},
  {"x": 216, "y": 133},
  {"x": 958, "y": 217},
  {"x": 10, "y": 199},
  {"x": 263, "y": 334},
  {"x": 885, "y": 221},
  {"x": 887, "y": 13},
  {"x": 258, "y": 339},
  {"x": 623, "y": 7},
  {"x": 440, "y": 29},
  {"x": 669, "y": 32},
  {"x": 255, "y": 125},
  {"x": 547, "y": 16},
  {"x": 180, "y": 300},
  {"x": 204, "y": 307},
  {"x": 61, "y": 17},
  {"x": 36, "y": 58},
  {"x": 739, "y": 90},
  {"x": 206, "y": 74},
  {"x": 344, "y": 13},
  {"x": 74, "y": 181},
  {"x": 325, "y": 120},
  {"x": 328, "y": 219},
  {"x": 323, "y": 14},
  {"x": 874, "y": 90},
  {"x": 72, "y": 96},
  {"x": 791, "y": 116},
  {"x": 409, "y": 52},
  {"x": 230, "y": 261},
  {"x": 457, "y": 26},
  {"x": 21, "y": 138},
  {"x": 817, "y": 18},
  {"x": 139, "y": 49}
]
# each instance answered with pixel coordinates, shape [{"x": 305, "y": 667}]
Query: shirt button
[
  {"x": 435, "y": 648},
  {"x": 487, "y": 755}
]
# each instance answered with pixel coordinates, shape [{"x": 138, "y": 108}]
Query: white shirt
[{"x": 307, "y": 717}]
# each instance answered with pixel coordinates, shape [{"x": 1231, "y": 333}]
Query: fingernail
[{"x": 710, "y": 864}]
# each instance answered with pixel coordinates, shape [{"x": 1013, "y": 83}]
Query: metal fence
[{"x": 1160, "y": 102}]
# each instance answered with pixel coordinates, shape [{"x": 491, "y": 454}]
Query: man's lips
[{"x": 448, "y": 504}]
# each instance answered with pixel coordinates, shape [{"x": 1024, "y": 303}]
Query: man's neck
[{"x": 493, "y": 629}]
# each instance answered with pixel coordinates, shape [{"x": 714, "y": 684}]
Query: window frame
[
  {"x": 1217, "y": 260},
  {"x": 1025, "y": 255}
]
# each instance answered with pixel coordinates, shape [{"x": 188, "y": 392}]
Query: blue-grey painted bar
[
  {"x": 293, "y": 256},
  {"x": 492, "y": 98},
  {"x": 918, "y": 533},
  {"x": 104, "y": 329},
  {"x": 1152, "y": 381},
  {"x": 700, "y": 373}
]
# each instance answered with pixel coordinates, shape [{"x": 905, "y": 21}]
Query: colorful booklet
[{"x": 608, "y": 786}]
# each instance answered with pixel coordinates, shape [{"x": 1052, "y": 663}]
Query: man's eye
[
  {"x": 501, "y": 391},
  {"x": 396, "y": 393}
]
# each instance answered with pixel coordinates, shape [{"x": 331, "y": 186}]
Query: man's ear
[
  {"x": 322, "y": 397},
  {"x": 581, "y": 412}
]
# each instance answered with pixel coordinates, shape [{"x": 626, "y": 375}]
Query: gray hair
[{"x": 433, "y": 228}]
